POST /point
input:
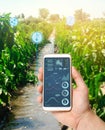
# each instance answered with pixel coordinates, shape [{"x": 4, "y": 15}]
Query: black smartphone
[{"x": 57, "y": 87}]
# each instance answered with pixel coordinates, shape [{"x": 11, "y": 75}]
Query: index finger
[{"x": 40, "y": 74}]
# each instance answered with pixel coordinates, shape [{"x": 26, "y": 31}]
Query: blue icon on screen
[
  {"x": 70, "y": 20},
  {"x": 13, "y": 22},
  {"x": 37, "y": 37}
]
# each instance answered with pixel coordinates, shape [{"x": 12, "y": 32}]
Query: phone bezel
[{"x": 58, "y": 108}]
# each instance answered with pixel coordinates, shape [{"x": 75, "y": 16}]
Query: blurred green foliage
[
  {"x": 17, "y": 53},
  {"x": 85, "y": 42}
]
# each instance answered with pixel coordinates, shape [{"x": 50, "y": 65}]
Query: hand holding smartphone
[{"x": 57, "y": 82}]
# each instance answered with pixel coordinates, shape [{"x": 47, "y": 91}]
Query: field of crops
[
  {"x": 85, "y": 42},
  {"x": 17, "y": 53}
]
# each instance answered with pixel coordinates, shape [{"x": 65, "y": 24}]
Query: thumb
[{"x": 78, "y": 79}]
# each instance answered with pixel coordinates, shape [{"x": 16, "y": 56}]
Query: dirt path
[{"x": 27, "y": 114}]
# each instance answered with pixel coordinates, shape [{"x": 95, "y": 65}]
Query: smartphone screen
[{"x": 57, "y": 79}]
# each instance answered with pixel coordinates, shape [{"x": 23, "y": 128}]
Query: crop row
[
  {"x": 17, "y": 53},
  {"x": 85, "y": 42}
]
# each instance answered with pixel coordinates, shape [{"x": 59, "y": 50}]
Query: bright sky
[{"x": 63, "y": 7}]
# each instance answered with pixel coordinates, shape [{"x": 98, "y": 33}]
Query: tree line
[{"x": 44, "y": 14}]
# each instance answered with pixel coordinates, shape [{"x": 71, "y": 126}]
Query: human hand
[{"x": 80, "y": 106}]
